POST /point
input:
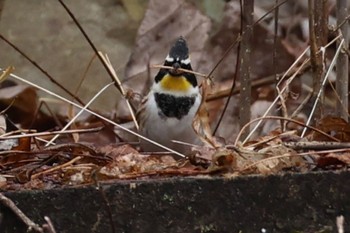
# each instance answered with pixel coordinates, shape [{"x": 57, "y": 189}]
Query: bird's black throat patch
[{"x": 173, "y": 106}]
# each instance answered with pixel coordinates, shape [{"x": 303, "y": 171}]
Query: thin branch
[
  {"x": 89, "y": 41},
  {"x": 34, "y": 176},
  {"x": 30, "y": 224},
  {"x": 245, "y": 65},
  {"x": 41, "y": 134},
  {"x": 286, "y": 119},
  {"x": 79, "y": 113},
  {"x": 282, "y": 90},
  {"x": 124, "y": 93},
  {"x": 180, "y": 69},
  {"x": 96, "y": 114},
  {"x": 41, "y": 69},
  {"x": 323, "y": 83}
]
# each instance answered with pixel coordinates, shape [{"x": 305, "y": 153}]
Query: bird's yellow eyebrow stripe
[{"x": 175, "y": 83}]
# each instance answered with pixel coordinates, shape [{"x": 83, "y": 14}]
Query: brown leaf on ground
[
  {"x": 333, "y": 160},
  {"x": 201, "y": 123},
  {"x": 335, "y": 126},
  {"x": 223, "y": 160},
  {"x": 22, "y": 103}
]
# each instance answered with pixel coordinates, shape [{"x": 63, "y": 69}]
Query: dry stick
[
  {"x": 70, "y": 110},
  {"x": 123, "y": 92},
  {"x": 283, "y": 89},
  {"x": 317, "y": 145},
  {"x": 227, "y": 92},
  {"x": 282, "y": 111},
  {"x": 244, "y": 62},
  {"x": 79, "y": 113},
  {"x": 30, "y": 224},
  {"x": 97, "y": 115},
  {"x": 322, "y": 85},
  {"x": 49, "y": 226},
  {"x": 270, "y": 138},
  {"x": 342, "y": 23},
  {"x": 180, "y": 69},
  {"x": 342, "y": 82},
  {"x": 238, "y": 40},
  {"x": 286, "y": 119},
  {"x": 40, "y": 134},
  {"x": 90, "y": 42},
  {"x": 255, "y": 83},
  {"x": 36, "y": 175},
  {"x": 6, "y": 73},
  {"x": 231, "y": 89},
  {"x": 317, "y": 40},
  {"x": 289, "y": 81},
  {"x": 42, "y": 70},
  {"x": 102, "y": 60},
  {"x": 340, "y": 219}
]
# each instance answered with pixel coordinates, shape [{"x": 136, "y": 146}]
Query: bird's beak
[{"x": 175, "y": 69}]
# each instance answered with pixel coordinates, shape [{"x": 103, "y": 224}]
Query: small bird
[{"x": 167, "y": 112}]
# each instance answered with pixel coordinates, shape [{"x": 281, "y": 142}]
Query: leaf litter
[{"x": 105, "y": 155}]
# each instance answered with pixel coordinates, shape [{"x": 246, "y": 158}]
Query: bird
[{"x": 167, "y": 112}]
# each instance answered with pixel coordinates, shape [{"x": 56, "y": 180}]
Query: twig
[
  {"x": 323, "y": 83},
  {"x": 231, "y": 90},
  {"x": 317, "y": 145},
  {"x": 318, "y": 38},
  {"x": 41, "y": 69},
  {"x": 89, "y": 41},
  {"x": 30, "y": 224},
  {"x": 340, "y": 222},
  {"x": 286, "y": 119},
  {"x": 36, "y": 175},
  {"x": 247, "y": 11},
  {"x": 79, "y": 113},
  {"x": 239, "y": 38},
  {"x": 49, "y": 226},
  {"x": 180, "y": 69},
  {"x": 40, "y": 134},
  {"x": 282, "y": 90},
  {"x": 123, "y": 92},
  {"x": 97, "y": 115}
]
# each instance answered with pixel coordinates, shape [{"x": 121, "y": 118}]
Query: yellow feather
[{"x": 175, "y": 83}]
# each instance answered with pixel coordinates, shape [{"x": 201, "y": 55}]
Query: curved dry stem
[
  {"x": 181, "y": 69},
  {"x": 286, "y": 119}
]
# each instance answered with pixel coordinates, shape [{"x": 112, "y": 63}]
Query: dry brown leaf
[
  {"x": 223, "y": 159},
  {"x": 335, "y": 126},
  {"x": 333, "y": 160},
  {"x": 201, "y": 123}
]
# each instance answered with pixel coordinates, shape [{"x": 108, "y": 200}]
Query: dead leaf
[
  {"x": 201, "y": 124},
  {"x": 333, "y": 160},
  {"x": 334, "y": 126},
  {"x": 223, "y": 160}
]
